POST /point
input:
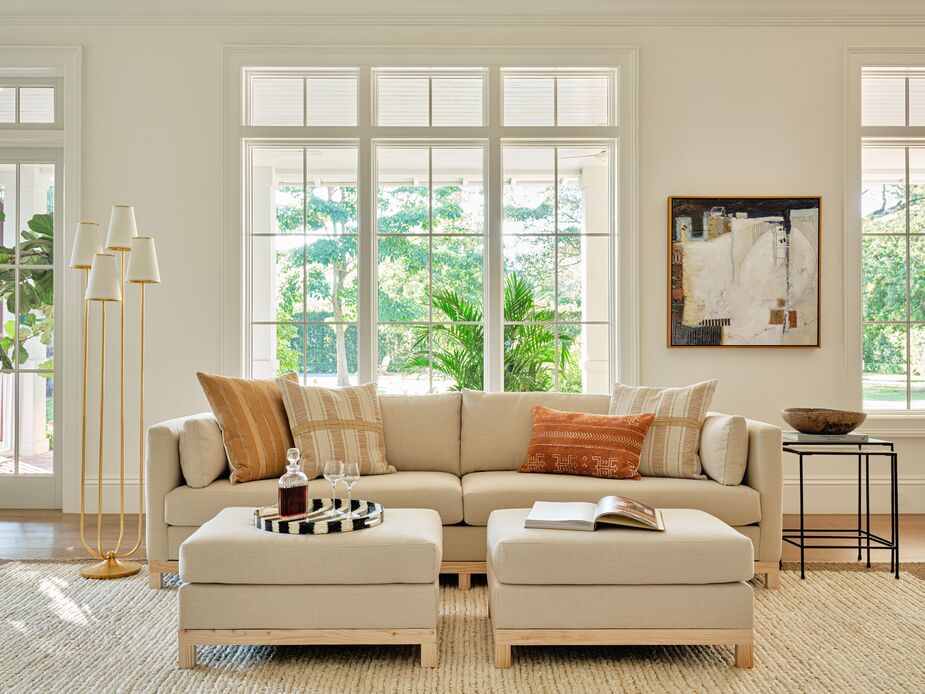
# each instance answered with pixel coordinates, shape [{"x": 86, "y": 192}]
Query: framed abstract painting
[{"x": 744, "y": 271}]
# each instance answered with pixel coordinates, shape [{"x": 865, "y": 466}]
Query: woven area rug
[{"x": 837, "y": 631}]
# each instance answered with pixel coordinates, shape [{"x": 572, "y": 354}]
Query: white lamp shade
[
  {"x": 121, "y": 228},
  {"x": 142, "y": 263},
  {"x": 104, "y": 282},
  {"x": 87, "y": 243}
]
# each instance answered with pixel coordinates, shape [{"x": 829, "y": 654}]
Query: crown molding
[{"x": 518, "y": 21}]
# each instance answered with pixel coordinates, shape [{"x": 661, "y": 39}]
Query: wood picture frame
[{"x": 744, "y": 271}]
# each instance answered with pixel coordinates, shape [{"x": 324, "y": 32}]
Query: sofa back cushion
[
  {"x": 202, "y": 451},
  {"x": 496, "y": 427},
  {"x": 724, "y": 447},
  {"x": 422, "y": 431}
]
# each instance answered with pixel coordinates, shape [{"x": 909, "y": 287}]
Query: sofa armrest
[
  {"x": 162, "y": 475},
  {"x": 764, "y": 474}
]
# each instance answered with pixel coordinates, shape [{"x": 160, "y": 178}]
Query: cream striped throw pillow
[
  {"x": 343, "y": 424},
  {"x": 671, "y": 446}
]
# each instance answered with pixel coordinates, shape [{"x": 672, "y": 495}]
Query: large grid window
[
  {"x": 893, "y": 256},
  {"x": 556, "y": 267},
  {"x": 893, "y": 237},
  {"x": 392, "y": 255},
  {"x": 27, "y": 200},
  {"x": 303, "y": 234},
  {"x": 430, "y": 223}
]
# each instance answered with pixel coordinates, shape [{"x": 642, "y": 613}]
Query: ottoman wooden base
[
  {"x": 742, "y": 639},
  {"x": 188, "y": 639}
]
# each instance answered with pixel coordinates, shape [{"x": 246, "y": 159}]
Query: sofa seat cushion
[
  {"x": 229, "y": 549},
  {"x": 440, "y": 491},
  {"x": 694, "y": 548},
  {"x": 484, "y": 492}
]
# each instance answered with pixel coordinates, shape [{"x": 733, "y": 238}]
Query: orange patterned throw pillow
[{"x": 593, "y": 445}]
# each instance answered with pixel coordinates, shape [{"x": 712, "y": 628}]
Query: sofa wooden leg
[
  {"x": 502, "y": 655},
  {"x": 745, "y": 655},
  {"x": 465, "y": 581},
  {"x": 772, "y": 579},
  {"x": 155, "y": 579},
  {"x": 187, "y": 655},
  {"x": 429, "y": 654}
]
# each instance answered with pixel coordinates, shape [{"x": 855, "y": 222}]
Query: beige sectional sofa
[{"x": 457, "y": 453}]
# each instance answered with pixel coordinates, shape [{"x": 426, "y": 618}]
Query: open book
[{"x": 582, "y": 515}]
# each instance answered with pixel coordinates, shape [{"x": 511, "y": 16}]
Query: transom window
[
  {"x": 393, "y": 254},
  {"x": 25, "y": 102},
  {"x": 893, "y": 239}
]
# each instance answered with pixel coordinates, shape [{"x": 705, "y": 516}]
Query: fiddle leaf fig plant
[{"x": 36, "y": 291}]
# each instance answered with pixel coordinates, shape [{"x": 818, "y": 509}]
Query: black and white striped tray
[{"x": 320, "y": 519}]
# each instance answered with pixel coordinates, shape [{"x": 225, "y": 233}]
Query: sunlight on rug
[{"x": 837, "y": 631}]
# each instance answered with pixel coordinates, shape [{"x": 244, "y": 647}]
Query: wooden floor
[{"x": 55, "y": 535}]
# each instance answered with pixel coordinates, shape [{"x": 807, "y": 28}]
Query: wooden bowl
[{"x": 819, "y": 420}]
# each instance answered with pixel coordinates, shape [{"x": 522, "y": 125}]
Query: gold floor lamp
[{"x": 105, "y": 283}]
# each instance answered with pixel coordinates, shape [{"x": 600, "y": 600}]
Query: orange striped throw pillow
[
  {"x": 593, "y": 445},
  {"x": 253, "y": 421},
  {"x": 336, "y": 424}
]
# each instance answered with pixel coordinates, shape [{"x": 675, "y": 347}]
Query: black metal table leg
[
  {"x": 894, "y": 509},
  {"x": 859, "y": 506},
  {"x": 802, "y": 529},
  {"x": 867, "y": 502}
]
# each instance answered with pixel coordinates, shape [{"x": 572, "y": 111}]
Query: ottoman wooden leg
[
  {"x": 155, "y": 579},
  {"x": 502, "y": 655},
  {"x": 187, "y": 654},
  {"x": 429, "y": 654},
  {"x": 745, "y": 655},
  {"x": 772, "y": 579},
  {"x": 465, "y": 581}
]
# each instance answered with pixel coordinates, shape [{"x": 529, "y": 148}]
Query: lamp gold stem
[
  {"x": 110, "y": 566},
  {"x": 122, "y": 407},
  {"x": 83, "y": 432},
  {"x": 141, "y": 429},
  {"x": 99, "y": 475}
]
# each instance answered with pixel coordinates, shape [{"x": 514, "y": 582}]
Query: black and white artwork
[{"x": 744, "y": 272}]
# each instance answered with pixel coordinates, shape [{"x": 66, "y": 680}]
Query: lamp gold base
[{"x": 110, "y": 567}]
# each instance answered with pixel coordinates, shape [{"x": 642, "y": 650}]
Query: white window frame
[
  {"x": 61, "y": 66},
  {"x": 624, "y": 312},
  {"x": 894, "y": 423}
]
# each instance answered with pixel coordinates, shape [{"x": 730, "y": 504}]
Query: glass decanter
[{"x": 293, "y": 488}]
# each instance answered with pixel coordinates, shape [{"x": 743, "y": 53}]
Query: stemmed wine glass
[
  {"x": 351, "y": 475},
  {"x": 334, "y": 473}
]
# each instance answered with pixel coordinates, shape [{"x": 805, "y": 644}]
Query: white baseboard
[
  {"x": 840, "y": 494},
  {"x": 111, "y": 495}
]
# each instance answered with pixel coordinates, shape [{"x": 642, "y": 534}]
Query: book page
[
  {"x": 557, "y": 511},
  {"x": 622, "y": 506}
]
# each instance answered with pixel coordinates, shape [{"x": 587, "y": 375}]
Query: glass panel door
[{"x": 29, "y": 246}]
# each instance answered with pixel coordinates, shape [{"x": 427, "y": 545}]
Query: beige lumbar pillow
[
  {"x": 671, "y": 445},
  {"x": 724, "y": 447},
  {"x": 202, "y": 451},
  {"x": 253, "y": 421},
  {"x": 343, "y": 424}
]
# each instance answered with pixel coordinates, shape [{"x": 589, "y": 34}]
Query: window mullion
[
  {"x": 366, "y": 242},
  {"x": 908, "y": 336},
  {"x": 493, "y": 270},
  {"x": 304, "y": 262}
]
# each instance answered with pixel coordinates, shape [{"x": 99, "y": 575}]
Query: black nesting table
[{"x": 805, "y": 538}]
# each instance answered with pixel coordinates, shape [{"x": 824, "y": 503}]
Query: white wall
[{"x": 726, "y": 107}]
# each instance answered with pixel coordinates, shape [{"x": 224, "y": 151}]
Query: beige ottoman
[
  {"x": 242, "y": 585},
  {"x": 686, "y": 585}
]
